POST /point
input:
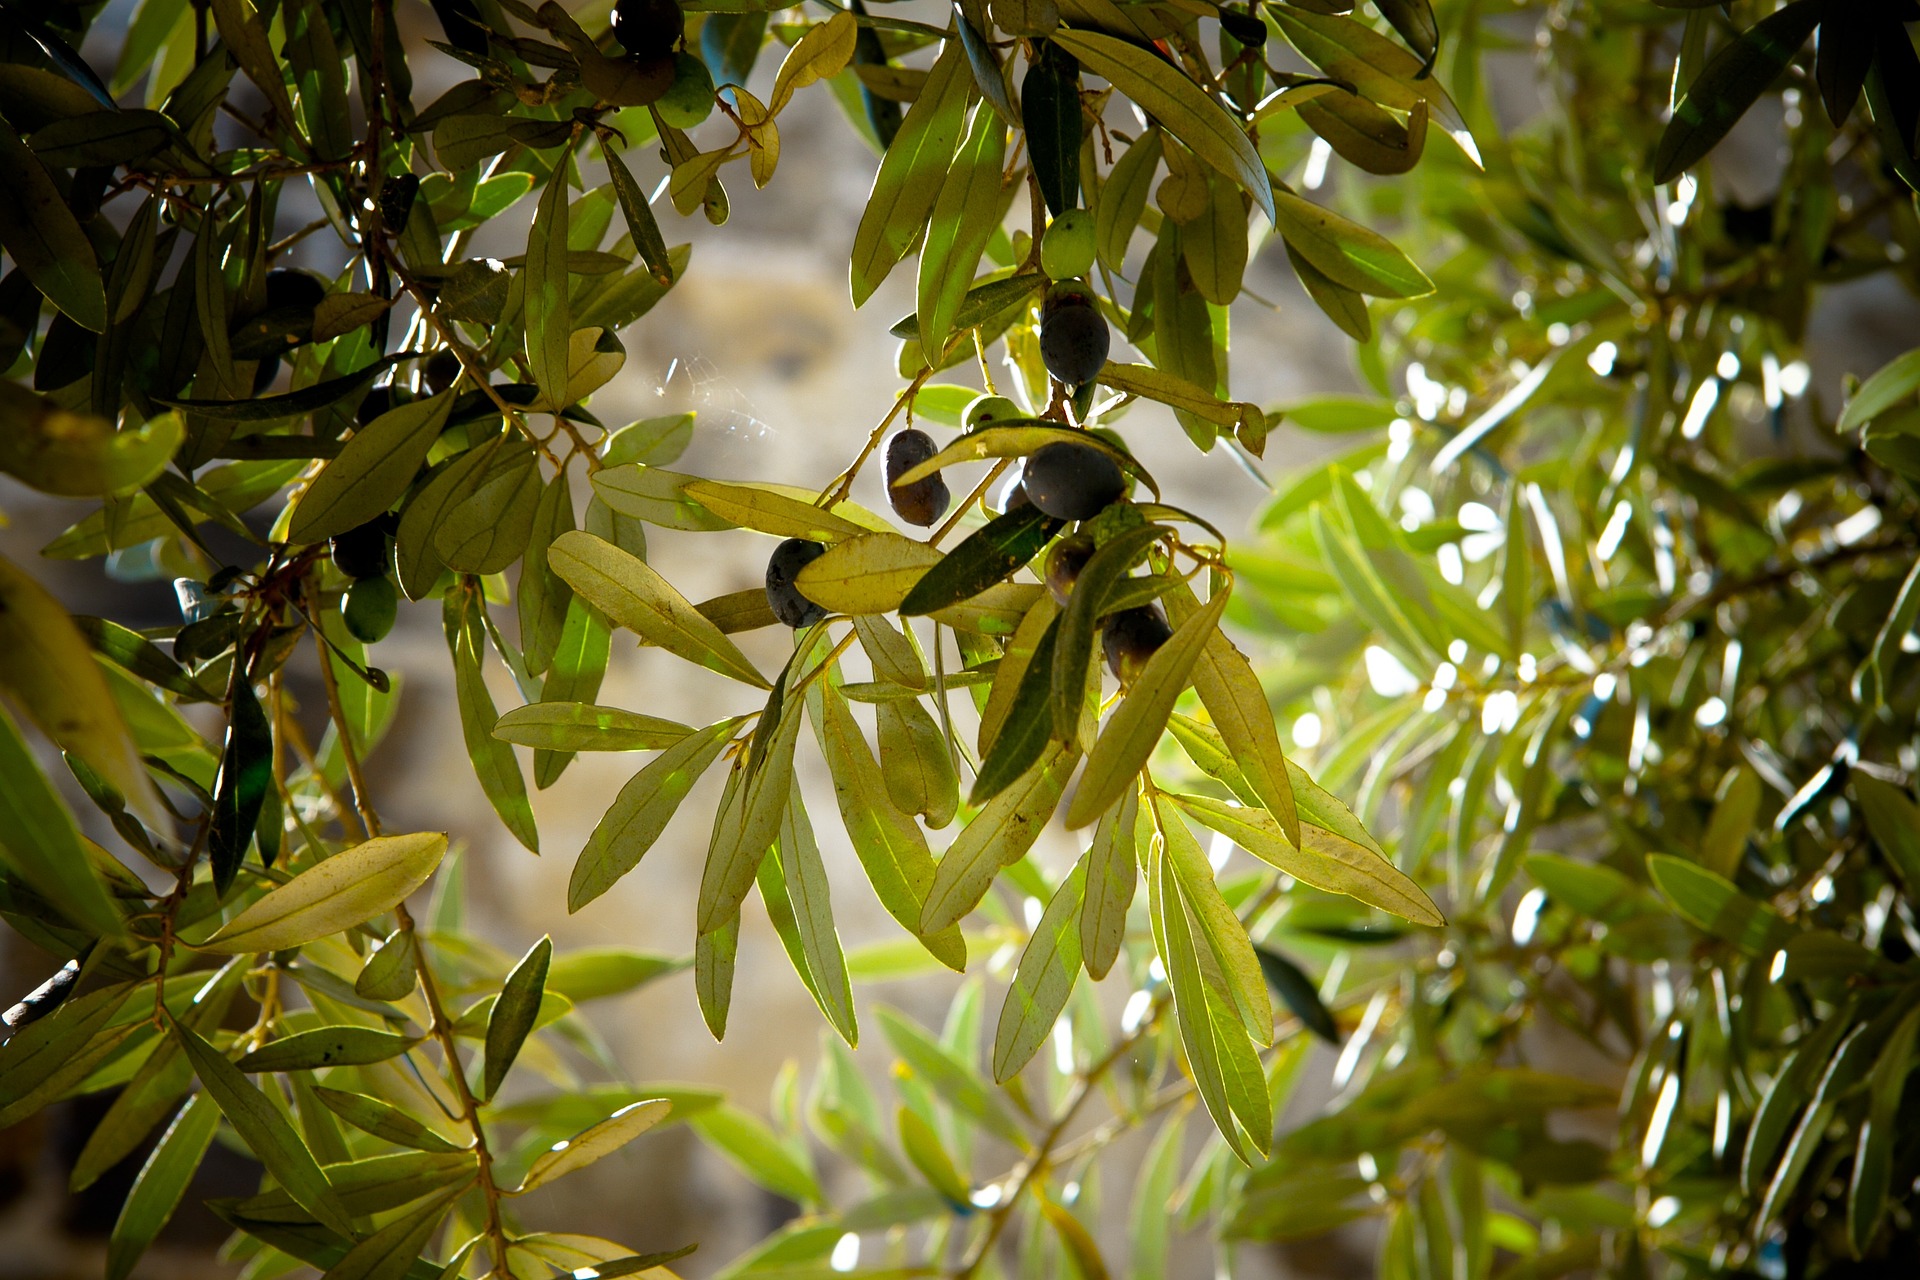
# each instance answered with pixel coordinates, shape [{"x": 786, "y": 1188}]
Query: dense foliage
[{"x": 1597, "y": 638}]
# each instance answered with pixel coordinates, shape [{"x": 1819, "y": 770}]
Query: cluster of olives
[
  {"x": 668, "y": 78},
  {"x": 365, "y": 554},
  {"x": 1129, "y": 637}
]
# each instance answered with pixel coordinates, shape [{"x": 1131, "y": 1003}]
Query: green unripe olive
[
  {"x": 1067, "y": 248},
  {"x": 690, "y": 100},
  {"x": 369, "y": 608},
  {"x": 1064, "y": 563},
  {"x": 1132, "y": 636},
  {"x": 988, "y": 411}
]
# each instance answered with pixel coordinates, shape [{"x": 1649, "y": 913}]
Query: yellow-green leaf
[
  {"x": 346, "y": 890},
  {"x": 603, "y": 1139},
  {"x": 868, "y": 574},
  {"x": 372, "y": 472},
  {"x": 1043, "y": 980},
  {"x": 770, "y": 512},
  {"x": 580, "y": 726}
]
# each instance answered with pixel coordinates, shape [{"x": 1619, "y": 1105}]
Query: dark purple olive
[
  {"x": 1073, "y": 481},
  {"x": 289, "y": 288},
  {"x": 788, "y": 605},
  {"x": 441, "y": 370},
  {"x": 361, "y": 552},
  {"x": 648, "y": 29},
  {"x": 1064, "y": 563},
  {"x": 376, "y": 402},
  {"x": 1074, "y": 338},
  {"x": 924, "y": 501},
  {"x": 1130, "y": 637}
]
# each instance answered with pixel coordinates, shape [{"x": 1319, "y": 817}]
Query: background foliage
[{"x": 1596, "y": 640}]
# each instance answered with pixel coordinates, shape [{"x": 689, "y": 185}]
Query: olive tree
[{"x": 1596, "y": 641}]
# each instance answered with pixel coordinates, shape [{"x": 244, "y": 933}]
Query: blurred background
[{"x": 787, "y": 379}]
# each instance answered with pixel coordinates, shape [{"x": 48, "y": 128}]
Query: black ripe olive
[
  {"x": 440, "y": 371},
  {"x": 361, "y": 552},
  {"x": 1130, "y": 637},
  {"x": 1074, "y": 338},
  {"x": 788, "y": 605},
  {"x": 924, "y": 501},
  {"x": 396, "y": 201},
  {"x": 1064, "y": 563},
  {"x": 1073, "y": 481},
  {"x": 376, "y": 402},
  {"x": 1010, "y": 494},
  {"x": 289, "y": 288},
  {"x": 369, "y": 608},
  {"x": 648, "y": 29},
  {"x": 1244, "y": 27}
]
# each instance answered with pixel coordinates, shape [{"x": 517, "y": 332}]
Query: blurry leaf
[
  {"x": 161, "y": 1182},
  {"x": 1732, "y": 822},
  {"x": 923, "y": 1147},
  {"x": 954, "y": 1082},
  {"x": 326, "y": 1047},
  {"x": 641, "y": 811},
  {"x": 1153, "y": 1197},
  {"x": 1893, "y": 382},
  {"x": 1299, "y": 993},
  {"x": 77, "y": 455},
  {"x": 1135, "y": 728},
  {"x": 752, "y": 1147},
  {"x": 1165, "y": 93},
  {"x": 40, "y": 843},
  {"x": 265, "y": 1130},
  {"x": 513, "y": 1014},
  {"x": 372, "y": 472},
  {"x": 1043, "y": 979},
  {"x": 603, "y": 1139},
  {"x": 629, "y": 592},
  {"x": 1893, "y": 820},
  {"x": 592, "y": 973},
  {"x": 576, "y": 726},
  {"x": 1710, "y": 902},
  {"x": 41, "y": 235},
  {"x": 1740, "y": 71},
  {"x": 1873, "y": 1152},
  {"x": 347, "y": 889}
]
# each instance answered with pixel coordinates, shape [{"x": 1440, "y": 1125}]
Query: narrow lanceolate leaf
[
  {"x": 1893, "y": 820},
  {"x": 908, "y": 182},
  {"x": 1741, "y": 70},
  {"x": 548, "y": 308},
  {"x": 494, "y": 762},
  {"x": 869, "y": 574},
  {"x": 246, "y": 775},
  {"x": 1347, "y": 253},
  {"x": 803, "y": 877},
  {"x": 513, "y": 1014},
  {"x": 999, "y": 836},
  {"x": 641, "y": 811},
  {"x": 1324, "y": 859},
  {"x": 921, "y": 1142},
  {"x": 1174, "y": 935},
  {"x": 770, "y": 512},
  {"x": 32, "y": 1061},
  {"x": 580, "y": 726},
  {"x": 46, "y": 667},
  {"x": 1298, "y": 992},
  {"x": 714, "y": 953},
  {"x": 579, "y": 664},
  {"x": 647, "y": 240},
  {"x": 589, "y": 1145},
  {"x": 990, "y": 554},
  {"x": 752, "y": 1146},
  {"x": 1217, "y": 927},
  {"x": 1873, "y": 1149},
  {"x": 1132, "y": 731},
  {"x": 340, "y": 893},
  {"x": 265, "y": 1131},
  {"x": 1043, "y": 980},
  {"x": 391, "y": 1252},
  {"x": 382, "y": 1120},
  {"x": 1112, "y": 869},
  {"x": 893, "y": 655},
  {"x": 891, "y": 847},
  {"x": 161, "y": 1182},
  {"x": 964, "y": 219},
  {"x": 1116, "y": 213},
  {"x": 41, "y": 235},
  {"x": 1073, "y": 646},
  {"x": 343, "y": 1046},
  {"x": 1165, "y": 93},
  {"x": 1711, "y": 902},
  {"x": 628, "y": 591},
  {"x": 1027, "y": 723},
  {"x": 40, "y": 844},
  {"x": 372, "y": 472},
  {"x": 1235, "y": 701},
  {"x": 737, "y": 848},
  {"x": 1050, "y": 110}
]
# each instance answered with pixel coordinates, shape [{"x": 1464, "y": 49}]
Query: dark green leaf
[
  {"x": 989, "y": 554},
  {"x": 514, "y": 1013}
]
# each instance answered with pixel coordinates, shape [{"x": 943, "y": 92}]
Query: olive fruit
[
  {"x": 924, "y": 501},
  {"x": 648, "y": 29},
  {"x": 361, "y": 552},
  {"x": 441, "y": 370},
  {"x": 1067, "y": 247},
  {"x": 369, "y": 608},
  {"x": 1011, "y": 492},
  {"x": 290, "y": 288},
  {"x": 987, "y": 411},
  {"x": 690, "y": 100},
  {"x": 1064, "y": 563},
  {"x": 788, "y": 605},
  {"x": 1073, "y": 334},
  {"x": 376, "y": 402},
  {"x": 1130, "y": 637},
  {"x": 1073, "y": 481}
]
